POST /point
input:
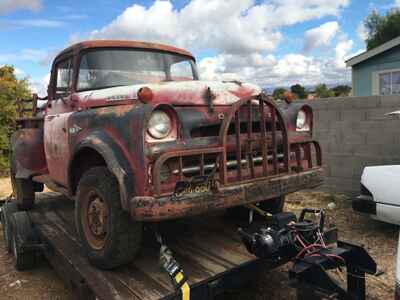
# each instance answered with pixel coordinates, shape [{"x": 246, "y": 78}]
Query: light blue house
[{"x": 377, "y": 72}]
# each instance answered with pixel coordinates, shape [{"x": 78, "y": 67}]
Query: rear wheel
[
  {"x": 6, "y": 211},
  {"x": 108, "y": 235},
  {"x": 23, "y": 189},
  {"x": 22, "y": 234}
]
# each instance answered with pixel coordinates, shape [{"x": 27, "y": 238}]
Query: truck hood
[
  {"x": 383, "y": 183},
  {"x": 176, "y": 93}
]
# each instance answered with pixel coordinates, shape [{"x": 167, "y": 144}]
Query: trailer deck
[{"x": 211, "y": 254}]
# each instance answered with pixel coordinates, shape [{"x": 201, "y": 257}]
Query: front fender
[
  {"x": 115, "y": 159},
  {"x": 290, "y": 112}
]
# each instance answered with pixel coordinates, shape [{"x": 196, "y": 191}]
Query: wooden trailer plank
[
  {"x": 204, "y": 251},
  {"x": 104, "y": 283}
]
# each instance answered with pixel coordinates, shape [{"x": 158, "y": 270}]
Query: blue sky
[{"x": 269, "y": 42}]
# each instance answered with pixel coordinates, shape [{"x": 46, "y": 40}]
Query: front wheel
[
  {"x": 108, "y": 235},
  {"x": 273, "y": 206}
]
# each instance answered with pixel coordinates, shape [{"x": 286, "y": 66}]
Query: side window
[
  {"x": 64, "y": 77},
  {"x": 181, "y": 71}
]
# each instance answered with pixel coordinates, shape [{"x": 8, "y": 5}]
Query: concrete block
[
  {"x": 339, "y": 104},
  {"x": 343, "y": 149},
  {"x": 354, "y": 138},
  {"x": 365, "y": 102},
  {"x": 370, "y": 150},
  {"x": 342, "y": 125},
  {"x": 362, "y": 161},
  {"x": 391, "y": 126},
  {"x": 367, "y": 126},
  {"x": 328, "y": 115},
  {"x": 392, "y": 101},
  {"x": 354, "y": 114},
  {"x": 391, "y": 159},
  {"x": 343, "y": 185},
  {"x": 345, "y": 171},
  {"x": 379, "y": 138},
  {"x": 378, "y": 114}
]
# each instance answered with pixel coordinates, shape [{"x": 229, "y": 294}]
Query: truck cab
[{"x": 132, "y": 135}]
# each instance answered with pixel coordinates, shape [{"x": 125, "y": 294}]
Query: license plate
[{"x": 196, "y": 186}]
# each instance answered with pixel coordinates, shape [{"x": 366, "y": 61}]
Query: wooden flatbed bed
[{"x": 208, "y": 249}]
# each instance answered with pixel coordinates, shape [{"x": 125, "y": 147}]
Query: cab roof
[{"x": 123, "y": 44}]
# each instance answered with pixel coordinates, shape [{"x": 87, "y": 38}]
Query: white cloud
[
  {"x": 320, "y": 36},
  {"x": 244, "y": 33},
  {"x": 342, "y": 52},
  {"x": 362, "y": 32},
  {"x": 39, "y": 85},
  {"x": 397, "y": 3},
  {"x": 31, "y": 55},
  {"x": 7, "y": 6},
  {"x": 40, "y": 23},
  {"x": 234, "y": 27},
  {"x": 269, "y": 71},
  {"x": 19, "y": 72}
]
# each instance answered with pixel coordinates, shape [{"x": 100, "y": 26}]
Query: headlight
[
  {"x": 160, "y": 124},
  {"x": 302, "y": 122}
]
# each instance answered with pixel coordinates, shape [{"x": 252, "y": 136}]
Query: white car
[{"x": 380, "y": 193}]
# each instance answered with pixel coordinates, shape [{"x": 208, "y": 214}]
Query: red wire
[
  {"x": 300, "y": 241},
  {"x": 307, "y": 248}
]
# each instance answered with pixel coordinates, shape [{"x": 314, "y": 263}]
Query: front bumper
[
  {"x": 162, "y": 208},
  {"x": 364, "y": 204}
]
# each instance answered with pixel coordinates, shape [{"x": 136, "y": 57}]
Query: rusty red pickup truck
[{"x": 130, "y": 132}]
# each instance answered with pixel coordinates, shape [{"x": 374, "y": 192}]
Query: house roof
[{"x": 373, "y": 52}]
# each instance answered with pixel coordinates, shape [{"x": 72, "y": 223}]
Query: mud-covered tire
[
  {"x": 22, "y": 234},
  {"x": 6, "y": 211},
  {"x": 108, "y": 235},
  {"x": 23, "y": 189},
  {"x": 273, "y": 206}
]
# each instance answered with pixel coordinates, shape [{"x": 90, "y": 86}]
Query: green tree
[
  {"x": 341, "y": 90},
  {"x": 299, "y": 91},
  {"x": 279, "y": 93},
  {"x": 323, "y": 91},
  {"x": 381, "y": 28},
  {"x": 11, "y": 88}
]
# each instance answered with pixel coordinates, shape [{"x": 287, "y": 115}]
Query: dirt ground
[
  {"x": 5, "y": 187},
  {"x": 380, "y": 240}
]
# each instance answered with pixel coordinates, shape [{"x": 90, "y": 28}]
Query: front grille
[{"x": 253, "y": 143}]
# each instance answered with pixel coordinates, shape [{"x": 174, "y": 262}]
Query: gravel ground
[{"x": 379, "y": 239}]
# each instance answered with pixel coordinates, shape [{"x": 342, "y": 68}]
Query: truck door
[{"x": 56, "y": 136}]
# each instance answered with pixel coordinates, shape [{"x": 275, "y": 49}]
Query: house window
[{"x": 389, "y": 83}]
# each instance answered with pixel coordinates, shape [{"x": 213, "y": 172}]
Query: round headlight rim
[{"x": 149, "y": 128}]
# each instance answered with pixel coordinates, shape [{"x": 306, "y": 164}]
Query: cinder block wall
[{"x": 354, "y": 132}]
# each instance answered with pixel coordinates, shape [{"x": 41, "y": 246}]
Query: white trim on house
[
  {"x": 368, "y": 54},
  {"x": 375, "y": 80}
]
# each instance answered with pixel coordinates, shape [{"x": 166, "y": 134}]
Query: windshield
[{"x": 105, "y": 68}]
